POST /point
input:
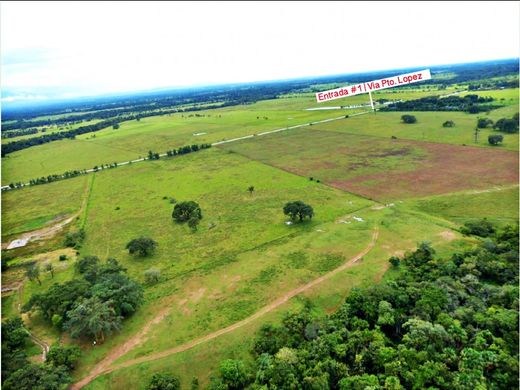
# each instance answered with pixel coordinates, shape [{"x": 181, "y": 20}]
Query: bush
[
  {"x": 482, "y": 228},
  {"x": 74, "y": 239},
  {"x": 63, "y": 257},
  {"x": 408, "y": 119},
  {"x": 63, "y": 356},
  {"x": 448, "y": 124},
  {"x": 164, "y": 382},
  {"x": 495, "y": 139},
  {"x": 184, "y": 211},
  {"x": 143, "y": 246},
  {"x": 152, "y": 275},
  {"x": 482, "y": 123}
]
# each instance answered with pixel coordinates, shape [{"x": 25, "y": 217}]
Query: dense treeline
[
  {"x": 444, "y": 323},
  {"x": 17, "y": 133},
  {"x": 469, "y": 103}
]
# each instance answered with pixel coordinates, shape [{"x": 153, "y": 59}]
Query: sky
[{"x": 70, "y": 49}]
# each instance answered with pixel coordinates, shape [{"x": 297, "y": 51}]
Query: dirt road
[{"x": 105, "y": 367}]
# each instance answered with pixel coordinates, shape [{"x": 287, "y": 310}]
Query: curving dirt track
[{"x": 105, "y": 367}]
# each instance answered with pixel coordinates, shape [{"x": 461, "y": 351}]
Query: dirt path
[
  {"x": 43, "y": 345},
  {"x": 103, "y": 367},
  {"x": 49, "y": 231}
]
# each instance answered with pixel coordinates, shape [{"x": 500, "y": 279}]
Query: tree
[
  {"x": 59, "y": 298},
  {"x": 152, "y": 275},
  {"x": 143, "y": 246},
  {"x": 251, "y": 189},
  {"x": 60, "y": 355},
  {"x": 38, "y": 376},
  {"x": 395, "y": 261},
  {"x": 184, "y": 211},
  {"x": 495, "y": 139},
  {"x": 33, "y": 273},
  {"x": 164, "y": 382},
  {"x": 49, "y": 268},
  {"x": 507, "y": 125},
  {"x": 115, "y": 126},
  {"x": 482, "y": 123},
  {"x": 124, "y": 295},
  {"x": 298, "y": 209},
  {"x": 233, "y": 373},
  {"x": 408, "y": 118},
  {"x": 92, "y": 318}
]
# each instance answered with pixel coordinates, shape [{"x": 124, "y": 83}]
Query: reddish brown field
[
  {"x": 448, "y": 168},
  {"x": 381, "y": 168}
]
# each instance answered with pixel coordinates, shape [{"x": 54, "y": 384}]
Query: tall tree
[
  {"x": 298, "y": 210},
  {"x": 93, "y": 318}
]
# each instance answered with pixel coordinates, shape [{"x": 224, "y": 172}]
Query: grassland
[
  {"x": 33, "y": 207},
  {"x": 244, "y": 256},
  {"x": 499, "y": 205},
  {"x": 135, "y": 139}
]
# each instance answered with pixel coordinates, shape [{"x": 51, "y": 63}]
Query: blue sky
[{"x": 69, "y": 49}]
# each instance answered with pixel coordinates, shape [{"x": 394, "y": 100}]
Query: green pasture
[
  {"x": 31, "y": 208},
  {"x": 160, "y": 133},
  {"x": 398, "y": 231},
  {"x": 428, "y": 127},
  {"x": 499, "y": 205}
]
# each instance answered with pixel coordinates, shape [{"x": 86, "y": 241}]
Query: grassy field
[
  {"x": 428, "y": 127},
  {"x": 399, "y": 231},
  {"x": 499, "y": 205},
  {"x": 33, "y": 207},
  {"x": 134, "y": 139},
  {"x": 381, "y": 168}
]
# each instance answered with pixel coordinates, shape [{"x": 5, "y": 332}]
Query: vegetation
[
  {"x": 495, "y": 139},
  {"x": 93, "y": 305},
  {"x": 19, "y": 374},
  {"x": 142, "y": 246},
  {"x": 507, "y": 125},
  {"x": 408, "y": 119},
  {"x": 298, "y": 210},
  {"x": 164, "y": 382},
  {"x": 459, "y": 332},
  {"x": 187, "y": 211},
  {"x": 472, "y": 104},
  {"x": 448, "y": 124}
]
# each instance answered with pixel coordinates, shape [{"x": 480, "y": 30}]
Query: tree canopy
[
  {"x": 298, "y": 210},
  {"x": 142, "y": 246},
  {"x": 185, "y": 211}
]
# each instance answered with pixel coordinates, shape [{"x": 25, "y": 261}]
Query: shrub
[
  {"x": 408, "y": 118},
  {"x": 495, "y": 139}
]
